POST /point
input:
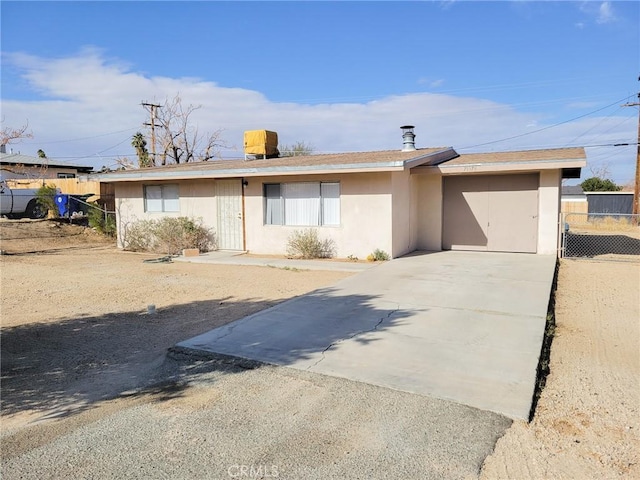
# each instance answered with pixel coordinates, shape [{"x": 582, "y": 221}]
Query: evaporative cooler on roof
[{"x": 260, "y": 144}]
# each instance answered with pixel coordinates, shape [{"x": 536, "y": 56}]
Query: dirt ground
[
  {"x": 75, "y": 327},
  {"x": 76, "y": 333},
  {"x": 587, "y": 422}
]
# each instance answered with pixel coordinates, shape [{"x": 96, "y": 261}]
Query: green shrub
[
  {"x": 378, "y": 256},
  {"x": 101, "y": 222},
  {"x": 168, "y": 235},
  {"x": 45, "y": 196},
  {"x": 307, "y": 244}
]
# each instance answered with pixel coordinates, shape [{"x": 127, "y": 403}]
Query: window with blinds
[
  {"x": 161, "y": 198},
  {"x": 303, "y": 204}
]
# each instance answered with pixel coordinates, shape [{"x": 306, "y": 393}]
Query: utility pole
[
  {"x": 636, "y": 186},
  {"x": 152, "y": 124}
]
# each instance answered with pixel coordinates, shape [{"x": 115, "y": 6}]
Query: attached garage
[{"x": 496, "y": 213}]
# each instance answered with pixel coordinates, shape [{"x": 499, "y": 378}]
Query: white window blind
[
  {"x": 330, "y": 193},
  {"x": 153, "y": 197},
  {"x": 274, "y": 214},
  {"x": 170, "y": 198},
  {"x": 304, "y": 204},
  {"x": 161, "y": 198}
]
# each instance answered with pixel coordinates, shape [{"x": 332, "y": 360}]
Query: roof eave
[
  {"x": 502, "y": 166},
  {"x": 432, "y": 159},
  {"x": 157, "y": 175}
]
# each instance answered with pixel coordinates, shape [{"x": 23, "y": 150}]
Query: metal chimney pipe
[{"x": 408, "y": 138}]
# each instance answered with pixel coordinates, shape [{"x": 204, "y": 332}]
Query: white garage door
[{"x": 496, "y": 213}]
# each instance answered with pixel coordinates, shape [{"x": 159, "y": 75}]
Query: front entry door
[{"x": 230, "y": 221}]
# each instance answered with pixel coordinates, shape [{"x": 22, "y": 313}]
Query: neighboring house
[
  {"x": 396, "y": 201},
  {"x": 573, "y": 199},
  {"x": 18, "y": 166},
  {"x": 610, "y": 202}
]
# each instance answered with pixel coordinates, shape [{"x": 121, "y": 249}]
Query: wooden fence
[
  {"x": 103, "y": 193},
  {"x": 569, "y": 206}
]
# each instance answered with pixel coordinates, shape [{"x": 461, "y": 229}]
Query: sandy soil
[
  {"x": 75, "y": 333},
  {"x": 587, "y": 423},
  {"x": 75, "y": 328}
]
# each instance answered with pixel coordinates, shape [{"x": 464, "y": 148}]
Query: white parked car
[{"x": 20, "y": 202}]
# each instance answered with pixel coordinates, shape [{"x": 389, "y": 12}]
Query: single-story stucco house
[
  {"x": 18, "y": 166},
  {"x": 396, "y": 201}
]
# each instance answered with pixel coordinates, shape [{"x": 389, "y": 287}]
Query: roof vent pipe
[{"x": 408, "y": 138}]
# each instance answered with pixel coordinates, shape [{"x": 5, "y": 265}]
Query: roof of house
[
  {"x": 572, "y": 190},
  {"x": 443, "y": 159},
  {"x": 518, "y": 156},
  {"x": 388, "y": 160},
  {"x": 569, "y": 160},
  {"x": 29, "y": 161}
]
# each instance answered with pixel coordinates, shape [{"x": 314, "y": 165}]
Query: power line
[
  {"x": 81, "y": 138},
  {"x": 547, "y": 127}
]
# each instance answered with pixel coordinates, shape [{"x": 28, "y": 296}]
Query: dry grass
[{"x": 591, "y": 223}]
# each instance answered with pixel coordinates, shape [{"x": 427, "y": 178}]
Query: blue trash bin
[{"x": 62, "y": 202}]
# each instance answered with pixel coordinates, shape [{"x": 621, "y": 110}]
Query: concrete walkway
[
  {"x": 228, "y": 257},
  {"x": 461, "y": 326}
]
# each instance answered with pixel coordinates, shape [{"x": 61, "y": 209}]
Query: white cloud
[
  {"x": 98, "y": 101},
  {"x": 602, "y": 12},
  {"x": 605, "y": 13}
]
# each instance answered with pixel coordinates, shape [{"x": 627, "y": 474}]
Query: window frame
[
  {"x": 166, "y": 201},
  {"x": 271, "y": 200}
]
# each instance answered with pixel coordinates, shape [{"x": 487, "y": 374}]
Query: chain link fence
[{"x": 605, "y": 236}]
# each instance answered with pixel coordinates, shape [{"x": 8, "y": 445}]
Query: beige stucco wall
[
  {"x": 393, "y": 211},
  {"x": 548, "y": 211},
  {"x": 197, "y": 201},
  {"x": 365, "y": 215},
  {"x": 428, "y": 200},
  {"x": 404, "y": 211},
  {"x": 430, "y": 196}
]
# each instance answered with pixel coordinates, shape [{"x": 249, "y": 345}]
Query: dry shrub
[
  {"x": 169, "y": 235},
  {"x": 307, "y": 244}
]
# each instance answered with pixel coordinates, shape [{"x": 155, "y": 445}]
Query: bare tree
[
  {"x": 10, "y": 134},
  {"x": 178, "y": 140},
  {"x": 602, "y": 170},
  {"x": 298, "y": 148}
]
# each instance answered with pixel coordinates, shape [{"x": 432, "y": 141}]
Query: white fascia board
[
  {"x": 248, "y": 172},
  {"x": 608, "y": 193},
  {"x": 502, "y": 167}
]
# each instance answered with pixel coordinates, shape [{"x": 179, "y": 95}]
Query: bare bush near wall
[
  {"x": 307, "y": 244},
  {"x": 168, "y": 235}
]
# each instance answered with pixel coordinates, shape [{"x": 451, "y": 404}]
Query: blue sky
[{"x": 341, "y": 76}]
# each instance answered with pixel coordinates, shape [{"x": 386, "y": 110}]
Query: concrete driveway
[{"x": 461, "y": 326}]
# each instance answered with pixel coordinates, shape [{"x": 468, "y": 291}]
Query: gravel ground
[{"x": 275, "y": 422}]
